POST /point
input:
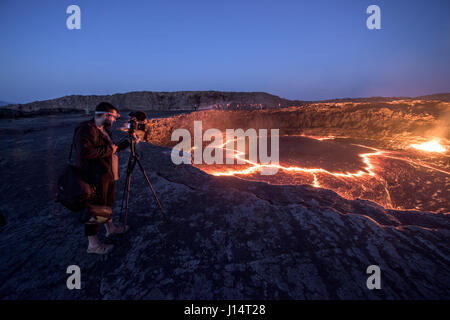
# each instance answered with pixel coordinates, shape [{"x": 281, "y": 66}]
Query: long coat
[{"x": 94, "y": 153}]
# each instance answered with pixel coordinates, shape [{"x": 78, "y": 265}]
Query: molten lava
[
  {"x": 256, "y": 167},
  {"x": 391, "y": 179},
  {"x": 430, "y": 146}
]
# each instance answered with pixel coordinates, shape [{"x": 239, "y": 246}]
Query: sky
[{"x": 306, "y": 50}]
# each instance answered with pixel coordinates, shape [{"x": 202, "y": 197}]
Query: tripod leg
[
  {"x": 150, "y": 185},
  {"x": 127, "y": 188},
  {"x": 133, "y": 163}
]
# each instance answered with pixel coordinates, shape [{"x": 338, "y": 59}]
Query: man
[{"x": 98, "y": 163}]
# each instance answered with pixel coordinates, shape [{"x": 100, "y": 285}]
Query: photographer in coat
[{"x": 98, "y": 162}]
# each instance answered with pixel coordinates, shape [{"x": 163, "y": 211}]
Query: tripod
[{"x": 134, "y": 158}]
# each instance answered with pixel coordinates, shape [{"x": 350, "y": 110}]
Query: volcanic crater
[{"x": 359, "y": 150}]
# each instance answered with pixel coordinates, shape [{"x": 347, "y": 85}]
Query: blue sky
[{"x": 295, "y": 49}]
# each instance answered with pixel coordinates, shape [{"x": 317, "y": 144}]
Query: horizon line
[{"x": 175, "y": 91}]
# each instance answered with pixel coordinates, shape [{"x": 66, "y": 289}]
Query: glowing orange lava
[
  {"x": 256, "y": 167},
  {"x": 430, "y": 146},
  {"x": 386, "y": 177}
]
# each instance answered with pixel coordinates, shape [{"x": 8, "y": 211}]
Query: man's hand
[
  {"x": 137, "y": 138},
  {"x": 114, "y": 148}
]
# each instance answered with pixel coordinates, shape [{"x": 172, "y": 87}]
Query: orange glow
[
  {"x": 430, "y": 146},
  {"x": 370, "y": 180},
  {"x": 256, "y": 167},
  {"x": 368, "y": 171}
]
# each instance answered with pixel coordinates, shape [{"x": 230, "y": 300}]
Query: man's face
[
  {"x": 110, "y": 118},
  {"x": 106, "y": 118}
]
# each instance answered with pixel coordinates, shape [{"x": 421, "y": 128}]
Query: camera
[{"x": 137, "y": 121}]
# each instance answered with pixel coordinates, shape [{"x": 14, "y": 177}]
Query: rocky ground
[{"x": 224, "y": 238}]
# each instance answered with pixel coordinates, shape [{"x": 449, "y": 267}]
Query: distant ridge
[
  {"x": 436, "y": 96},
  {"x": 147, "y": 100},
  {"x": 176, "y": 100},
  {"x": 4, "y": 103}
]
